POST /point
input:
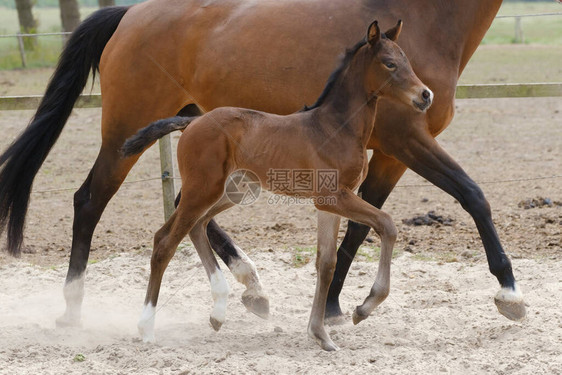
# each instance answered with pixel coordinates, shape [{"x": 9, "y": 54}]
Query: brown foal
[{"x": 331, "y": 135}]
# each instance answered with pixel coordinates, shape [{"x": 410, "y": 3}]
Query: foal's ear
[
  {"x": 393, "y": 33},
  {"x": 373, "y": 33}
]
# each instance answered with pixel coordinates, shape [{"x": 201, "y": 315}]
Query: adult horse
[{"x": 164, "y": 57}]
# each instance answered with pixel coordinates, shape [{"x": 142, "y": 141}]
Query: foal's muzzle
[{"x": 424, "y": 101}]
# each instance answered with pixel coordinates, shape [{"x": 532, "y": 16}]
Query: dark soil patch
[{"x": 431, "y": 218}]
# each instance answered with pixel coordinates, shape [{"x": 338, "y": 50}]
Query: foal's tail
[
  {"x": 144, "y": 137},
  {"x": 21, "y": 161}
]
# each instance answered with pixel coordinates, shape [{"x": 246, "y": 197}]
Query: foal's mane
[{"x": 349, "y": 53}]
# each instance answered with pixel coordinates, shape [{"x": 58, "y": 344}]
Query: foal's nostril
[{"x": 426, "y": 95}]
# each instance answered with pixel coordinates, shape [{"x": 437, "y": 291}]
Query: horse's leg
[
  {"x": 328, "y": 226},
  {"x": 384, "y": 173},
  {"x": 424, "y": 155},
  {"x": 166, "y": 240},
  {"x": 356, "y": 209},
  {"x": 90, "y": 200},
  {"x": 165, "y": 245},
  {"x": 119, "y": 120},
  {"x": 219, "y": 285},
  {"x": 253, "y": 296},
  {"x": 241, "y": 266}
]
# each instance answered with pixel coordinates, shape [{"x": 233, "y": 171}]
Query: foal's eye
[{"x": 390, "y": 65}]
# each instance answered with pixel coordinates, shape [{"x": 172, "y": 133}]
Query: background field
[{"x": 537, "y": 30}]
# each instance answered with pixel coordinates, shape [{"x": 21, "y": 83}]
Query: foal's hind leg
[
  {"x": 219, "y": 285},
  {"x": 356, "y": 209},
  {"x": 241, "y": 266},
  {"x": 166, "y": 240}
]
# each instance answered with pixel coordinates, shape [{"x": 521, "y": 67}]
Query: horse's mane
[{"x": 336, "y": 74}]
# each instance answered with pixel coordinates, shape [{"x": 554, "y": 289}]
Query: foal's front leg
[
  {"x": 351, "y": 206},
  {"x": 328, "y": 226}
]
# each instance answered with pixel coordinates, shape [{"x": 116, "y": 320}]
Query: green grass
[
  {"x": 537, "y": 30},
  {"x": 303, "y": 255},
  {"x": 47, "y": 50},
  {"x": 514, "y": 63},
  {"x": 368, "y": 254}
]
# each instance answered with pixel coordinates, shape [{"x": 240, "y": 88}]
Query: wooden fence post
[
  {"x": 167, "y": 167},
  {"x": 519, "y": 38},
  {"x": 22, "y": 50}
]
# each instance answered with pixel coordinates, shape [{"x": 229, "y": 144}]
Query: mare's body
[{"x": 164, "y": 57}]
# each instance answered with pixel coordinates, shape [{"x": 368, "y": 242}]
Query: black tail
[
  {"x": 21, "y": 161},
  {"x": 144, "y": 137}
]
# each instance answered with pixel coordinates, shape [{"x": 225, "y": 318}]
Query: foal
[{"x": 330, "y": 136}]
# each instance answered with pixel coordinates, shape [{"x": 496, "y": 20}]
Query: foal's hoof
[
  {"x": 329, "y": 346},
  {"x": 215, "y": 324},
  {"x": 358, "y": 316},
  {"x": 257, "y": 304},
  {"x": 146, "y": 333},
  {"x": 66, "y": 322},
  {"x": 324, "y": 341},
  {"x": 510, "y": 304}
]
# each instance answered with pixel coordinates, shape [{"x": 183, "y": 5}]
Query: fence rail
[
  {"x": 515, "y": 90},
  {"x": 474, "y": 91}
]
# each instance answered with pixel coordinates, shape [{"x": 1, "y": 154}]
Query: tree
[
  {"x": 69, "y": 14},
  {"x": 28, "y": 24},
  {"x": 106, "y": 3}
]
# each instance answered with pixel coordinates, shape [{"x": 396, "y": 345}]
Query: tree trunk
[
  {"x": 106, "y": 3},
  {"x": 28, "y": 24},
  {"x": 69, "y": 14}
]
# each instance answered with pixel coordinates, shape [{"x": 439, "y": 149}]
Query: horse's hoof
[
  {"x": 146, "y": 334},
  {"x": 149, "y": 339},
  {"x": 257, "y": 304},
  {"x": 323, "y": 340},
  {"x": 215, "y": 324},
  {"x": 510, "y": 304},
  {"x": 329, "y": 346},
  {"x": 358, "y": 317},
  {"x": 334, "y": 320},
  {"x": 66, "y": 322},
  {"x": 513, "y": 309}
]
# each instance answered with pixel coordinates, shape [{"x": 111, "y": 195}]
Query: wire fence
[
  {"x": 167, "y": 178},
  {"x": 518, "y": 37}
]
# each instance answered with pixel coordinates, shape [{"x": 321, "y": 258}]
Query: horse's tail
[
  {"x": 21, "y": 161},
  {"x": 156, "y": 130}
]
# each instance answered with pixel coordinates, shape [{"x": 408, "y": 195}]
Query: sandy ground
[{"x": 440, "y": 316}]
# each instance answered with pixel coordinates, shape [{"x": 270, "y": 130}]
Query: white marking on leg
[
  {"x": 219, "y": 291},
  {"x": 245, "y": 272},
  {"x": 74, "y": 295},
  {"x": 510, "y": 303},
  {"x": 510, "y": 295},
  {"x": 146, "y": 323}
]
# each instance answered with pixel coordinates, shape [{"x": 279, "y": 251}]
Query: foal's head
[{"x": 389, "y": 73}]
